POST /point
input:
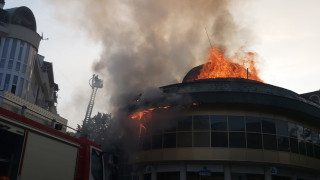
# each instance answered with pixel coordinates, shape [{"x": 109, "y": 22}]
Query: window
[
  {"x": 20, "y": 87},
  {"x": 254, "y": 141},
  {"x": 169, "y": 140},
  {"x": 292, "y": 129},
  {"x": 201, "y": 123},
  {"x": 219, "y": 139},
  {"x": 24, "y": 69},
  {"x": 20, "y": 50},
  {"x": 307, "y": 134},
  {"x": 157, "y": 141},
  {"x": 17, "y": 66},
  {"x": 300, "y": 132},
  {"x": 309, "y": 149},
  {"x": 10, "y": 64},
  {"x": 302, "y": 147},
  {"x": 5, "y": 49},
  {"x": 184, "y": 139},
  {"x": 96, "y": 165},
  {"x": 283, "y": 143},
  {"x": 14, "y": 84},
  {"x": 7, "y": 81},
  {"x": 253, "y": 124},
  {"x": 1, "y": 75},
  {"x": 201, "y": 139},
  {"x": 294, "y": 147},
  {"x": 236, "y": 123},
  {"x": 218, "y": 123},
  {"x": 13, "y": 49},
  {"x": 237, "y": 140},
  {"x": 282, "y": 128},
  {"x": 268, "y": 126},
  {"x": 269, "y": 142},
  {"x": 26, "y": 58},
  {"x": 185, "y": 123}
]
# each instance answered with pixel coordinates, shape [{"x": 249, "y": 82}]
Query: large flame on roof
[{"x": 219, "y": 66}]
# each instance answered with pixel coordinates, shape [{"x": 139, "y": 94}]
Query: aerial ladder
[{"x": 95, "y": 83}]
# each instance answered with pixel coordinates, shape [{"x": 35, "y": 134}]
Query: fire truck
[{"x": 30, "y": 150}]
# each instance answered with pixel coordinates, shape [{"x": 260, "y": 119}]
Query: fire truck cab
[{"x": 30, "y": 150}]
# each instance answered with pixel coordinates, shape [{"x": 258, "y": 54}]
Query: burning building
[{"x": 236, "y": 127}]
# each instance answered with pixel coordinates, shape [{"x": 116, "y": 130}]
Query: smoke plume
[{"x": 149, "y": 43}]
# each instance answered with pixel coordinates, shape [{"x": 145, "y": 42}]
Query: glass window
[
  {"x": 307, "y": 134},
  {"x": 157, "y": 141},
  {"x": 253, "y": 124},
  {"x": 26, "y": 58},
  {"x": 24, "y": 69},
  {"x": 1, "y": 75},
  {"x": 269, "y": 142},
  {"x": 283, "y": 143},
  {"x": 282, "y": 128},
  {"x": 292, "y": 128},
  {"x": 169, "y": 140},
  {"x": 237, "y": 140},
  {"x": 20, "y": 87},
  {"x": 18, "y": 66},
  {"x": 201, "y": 123},
  {"x": 96, "y": 165},
  {"x": 236, "y": 123},
  {"x": 2, "y": 62},
  {"x": 145, "y": 142},
  {"x": 218, "y": 123},
  {"x": 268, "y": 126},
  {"x": 5, "y": 48},
  {"x": 7, "y": 81},
  {"x": 294, "y": 147},
  {"x": 219, "y": 139},
  {"x": 201, "y": 139},
  {"x": 300, "y": 131},
  {"x": 10, "y": 64},
  {"x": 184, "y": 139},
  {"x": 309, "y": 149},
  {"x": 185, "y": 123},
  {"x": 314, "y": 137},
  {"x": 13, "y": 49},
  {"x": 20, "y": 50},
  {"x": 302, "y": 147},
  {"x": 254, "y": 141}
]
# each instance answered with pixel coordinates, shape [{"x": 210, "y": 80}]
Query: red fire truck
[{"x": 33, "y": 151}]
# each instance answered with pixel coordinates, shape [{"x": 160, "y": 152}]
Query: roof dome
[{"x": 22, "y": 16}]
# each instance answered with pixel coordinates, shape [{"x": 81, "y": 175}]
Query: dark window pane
[
  {"x": 236, "y": 123},
  {"x": 219, "y": 139},
  {"x": 170, "y": 127},
  {"x": 145, "y": 143},
  {"x": 269, "y": 142},
  {"x": 282, "y": 128},
  {"x": 201, "y": 139},
  {"x": 218, "y": 123},
  {"x": 253, "y": 124},
  {"x": 13, "y": 49},
  {"x": 300, "y": 132},
  {"x": 185, "y": 139},
  {"x": 317, "y": 151},
  {"x": 307, "y": 134},
  {"x": 157, "y": 141},
  {"x": 169, "y": 140},
  {"x": 185, "y": 123},
  {"x": 283, "y": 143},
  {"x": 201, "y": 123},
  {"x": 237, "y": 140},
  {"x": 294, "y": 147},
  {"x": 292, "y": 128},
  {"x": 309, "y": 149},
  {"x": 268, "y": 126},
  {"x": 314, "y": 137},
  {"x": 254, "y": 141},
  {"x": 302, "y": 147}
]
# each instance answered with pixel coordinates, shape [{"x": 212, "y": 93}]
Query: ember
[{"x": 219, "y": 66}]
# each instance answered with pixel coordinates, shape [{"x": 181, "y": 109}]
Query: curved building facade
[{"x": 235, "y": 129}]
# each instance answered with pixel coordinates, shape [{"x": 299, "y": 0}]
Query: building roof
[{"x": 21, "y": 16}]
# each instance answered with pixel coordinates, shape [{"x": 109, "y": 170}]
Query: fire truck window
[
  {"x": 269, "y": 142},
  {"x": 309, "y": 149},
  {"x": 184, "y": 139},
  {"x": 294, "y": 147},
  {"x": 185, "y": 123},
  {"x": 254, "y": 141},
  {"x": 201, "y": 123},
  {"x": 169, "y": 140},
  {"x": 157, "y": 141},
  {"x": 219, "y": 139},
  {"x": 10, "y": 155},
  {"x": 283, "y": 143},
  {"x": 201, "y": 139},
  {"x": 253, "y": 124},
  {"x": 96, "y": 165},
  {"x": 302, "y": 147},
  {"x": 282, "y": 128},
  {"x": 292, "y": 128},
  {"x": 268, "y": 126},
  {"x": 218, "y": 123},
  {"x": 237, "y": 140},
  {"x": 236, "y": 123}
]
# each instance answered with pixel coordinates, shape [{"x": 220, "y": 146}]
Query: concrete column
[
  {"x": 183, "y": 173},
  {"x": 153, "y": 173},
  {"x": 227, "y": 172},
  {"x": 267, "y": 173}
]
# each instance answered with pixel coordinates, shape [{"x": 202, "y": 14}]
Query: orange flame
[
  {"x": 219, "y": 66},
  {"x": 143, "y": 115}
]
